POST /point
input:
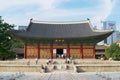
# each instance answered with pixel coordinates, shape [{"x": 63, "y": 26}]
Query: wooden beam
[
  {"x": 38, "y": 49},
  {"x": 25, "y": 51},
  {"x": 81, "y": 51},
  {"x": 94, "y": 51},
  {"x": 51, "y": 51},
  {"x": 68, "y": 50}
]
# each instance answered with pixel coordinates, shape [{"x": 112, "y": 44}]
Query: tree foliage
[
  {"x": 17, "y": 44},
  {"x": 113, "y": 51},
  {"x": 5, "y": 40}
]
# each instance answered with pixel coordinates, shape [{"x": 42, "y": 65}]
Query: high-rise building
[
  {"x": 0, "y": 17},
  {"x": 118, "y": 35},
  {"x": 110, "y": 25}
]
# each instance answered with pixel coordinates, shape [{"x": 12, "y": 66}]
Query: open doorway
[{"x": 59, "y": 53}]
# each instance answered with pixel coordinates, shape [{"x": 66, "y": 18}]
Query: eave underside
[
  {"x": 86, "y": 40},
  {"x": 93, "y": 38}
]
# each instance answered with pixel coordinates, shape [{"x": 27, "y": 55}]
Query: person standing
[
  {"x": 47, "y": 62},
  {"x": 68, "y": 60},
  {"x": 28, "y": 62},
  {"x": 36, "y": 60},
  {"x": 50, "y": 61}
]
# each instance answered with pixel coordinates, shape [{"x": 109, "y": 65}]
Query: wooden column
[
  {"x": 51, "y": 51},
  {"x": 81, "y": 51},
  {"x": 38, "y": 53},
  {"x": 94, "y": 51},
  {"x": 68, "y": 50},
  {"x": 25, "y": 51}
]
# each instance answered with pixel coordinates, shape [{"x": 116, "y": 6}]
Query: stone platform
[{"x": 77, "y": 65}]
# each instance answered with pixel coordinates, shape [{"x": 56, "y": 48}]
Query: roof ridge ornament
[
  {"x": 31, "y": 19},
  {"x": 88, "y": 19}
]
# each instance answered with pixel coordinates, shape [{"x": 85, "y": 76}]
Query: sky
[{"x": 19, "y": 12}]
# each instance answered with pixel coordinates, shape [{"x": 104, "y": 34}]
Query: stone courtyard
[
  {"x": 60, "y": 75},
  {"x": 78, "y": 69}
]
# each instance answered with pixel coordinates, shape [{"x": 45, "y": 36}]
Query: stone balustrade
[{"x": 59, "y": 65}]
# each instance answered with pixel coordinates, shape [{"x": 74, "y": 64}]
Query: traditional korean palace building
[{"x": 60, "y": 39}]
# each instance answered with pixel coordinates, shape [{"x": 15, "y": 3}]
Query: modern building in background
[
  {"x": 0, "y": 17},
  {"x": 110, "y": 25},
  {"x": 118, "y": 35},
  {"x": 22, "y": 27}
]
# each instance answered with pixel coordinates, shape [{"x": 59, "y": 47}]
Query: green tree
[
  {"x": 113, "y": 51},
  {"x": 17, "y": 44},
  {"x": 5, "y": 40}
]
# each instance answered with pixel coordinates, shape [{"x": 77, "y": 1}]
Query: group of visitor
[
  {"x": 68, "y": 60},
  {"x": 61, "y": 56},
  {"x": 36, "y": 61}
]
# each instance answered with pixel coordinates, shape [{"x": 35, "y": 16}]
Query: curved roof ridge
[
  {"x": 59, "y": 22},
  {"x": 109, "y": 30}
]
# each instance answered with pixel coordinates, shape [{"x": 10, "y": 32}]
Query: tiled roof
[
  {"x": 118, "y": 41},
  {"x": 60, "y": 30},
  {"x": 66, "y": 30}
]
